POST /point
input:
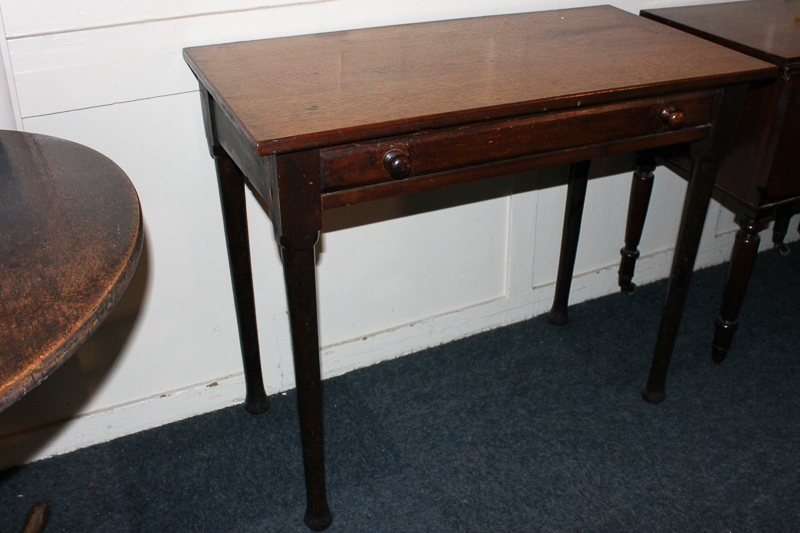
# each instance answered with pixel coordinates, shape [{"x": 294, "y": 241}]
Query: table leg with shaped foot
[
  {"x": 641, "y": 189},
  {"x": 301, "y": 294},
  {"x": 234, "y": 215},
  {"x": 297, "y": 220},
  {"x": 743, "y": 258},
  {"x": 576, "y": 194}
]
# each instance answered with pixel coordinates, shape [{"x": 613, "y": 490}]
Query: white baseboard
[{"x": 108, "y": 424}]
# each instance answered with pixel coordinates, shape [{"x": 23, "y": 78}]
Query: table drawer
[{"x": 429, "y": 152}]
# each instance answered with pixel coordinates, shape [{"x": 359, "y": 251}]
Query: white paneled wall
[
  {"x": 10, "y": 117},
  {"x": 395, "y": 276}
]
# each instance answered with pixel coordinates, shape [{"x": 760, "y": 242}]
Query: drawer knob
[
  {"x": 397, "y": 163},
  {"x": 673, "y": 117}
]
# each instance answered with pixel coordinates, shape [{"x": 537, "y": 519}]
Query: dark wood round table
[{"x": 70, "y": 238}]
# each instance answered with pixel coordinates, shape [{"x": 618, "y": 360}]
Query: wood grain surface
[
  {"x": 70, "y": 238},
  {"x": 302, "y": 92},
  {"x": 766, "y": 29}
]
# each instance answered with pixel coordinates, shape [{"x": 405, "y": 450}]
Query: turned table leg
[
  {"x": 234, "y": 216},
  {"x": 576, "y": 194},
  {"x": 641, "y": 189},
  {"x": 743, "y": 258}
]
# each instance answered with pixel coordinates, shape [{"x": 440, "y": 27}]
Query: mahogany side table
[
  {"x": 760, "y": 177},
  {"x": 70, "y": 239},
  {"x": 320, "y": 121}
]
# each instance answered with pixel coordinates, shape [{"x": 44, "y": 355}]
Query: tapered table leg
[
  {"x": 641, "y": 189},
  {"x": 706, "y": 155},
  {"x": 301, "y": 294},
  {"x": 234, "y": 216},
  {"x": 698, "y": 196},
  {"x": 576, "y": 194},
  {"x": 745, "y": 248}
]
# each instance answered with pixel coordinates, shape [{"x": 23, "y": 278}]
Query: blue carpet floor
[{"x": 523, "y": 428}]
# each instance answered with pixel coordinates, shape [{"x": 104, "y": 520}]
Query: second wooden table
[{"x": 761, "y": 175}]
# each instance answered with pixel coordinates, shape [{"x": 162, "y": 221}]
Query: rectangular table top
[
  {"x": 310, "y": 91},
  {"x": 766, "y": 29}
]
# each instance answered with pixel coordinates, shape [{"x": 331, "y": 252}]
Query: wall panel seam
[
  {"x": 161, "y": 19},
  {"x": 121, "y": 102}
]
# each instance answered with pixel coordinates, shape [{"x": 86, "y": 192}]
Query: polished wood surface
[
  {"x": 70, "y": 238},
  {"x": 766, "y": 29},
  {"x": 354, "y": 85},
  {"x": 317, "y": 122}
]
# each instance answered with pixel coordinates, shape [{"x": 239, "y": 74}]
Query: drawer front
[{"x": 361, "y": 164}]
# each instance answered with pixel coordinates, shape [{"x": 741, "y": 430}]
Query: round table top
[{"x": 70, "y": 238}]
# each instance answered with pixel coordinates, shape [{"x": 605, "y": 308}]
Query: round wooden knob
[
  {"x": 397, "y": 163},
  {"x": 673, "y": 117}
]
